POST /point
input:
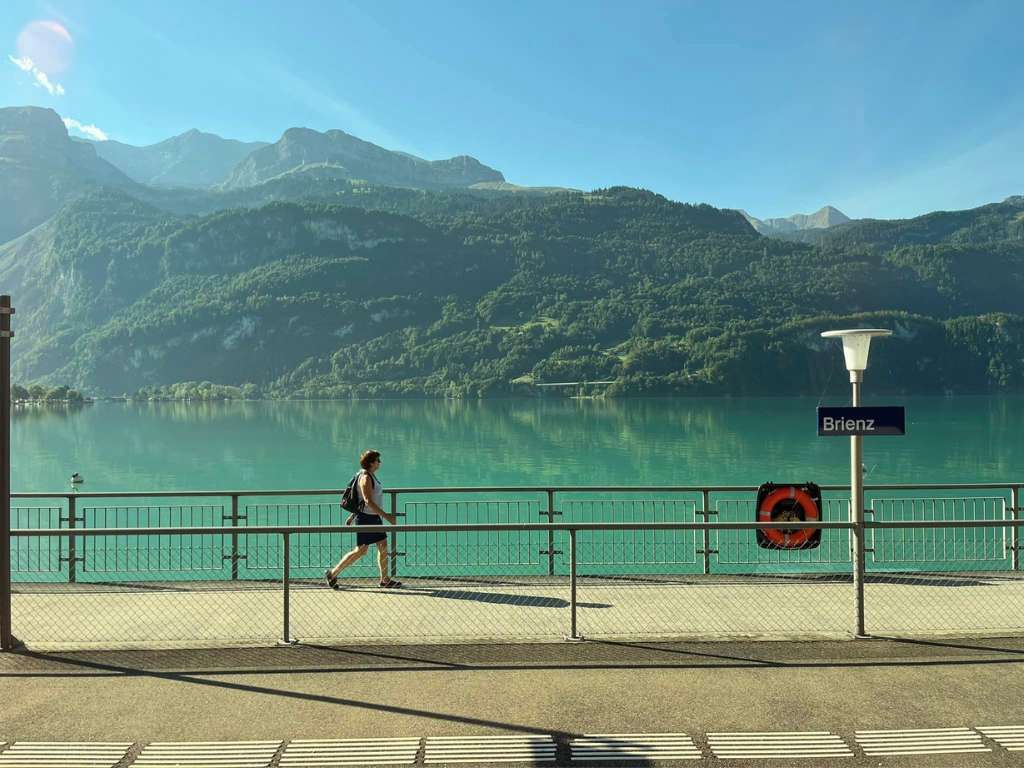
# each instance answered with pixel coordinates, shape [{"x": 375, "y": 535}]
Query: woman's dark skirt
[{"x": 369, "y": 538}]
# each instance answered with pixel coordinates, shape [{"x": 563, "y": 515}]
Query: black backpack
[{"x": 350, "y": 499}]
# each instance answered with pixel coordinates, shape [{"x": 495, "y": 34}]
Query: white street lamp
[{"x": 856, "y": 345}]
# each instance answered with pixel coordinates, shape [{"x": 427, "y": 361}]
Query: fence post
[
  {"x": 394, "y": 536},
  {"x": 234, "y": 536},
  {"x": 551, "y": 534},
  {"x": 1015, "y": 514},
  {"x": 286, "y": 577},
  {"x": 73, "y": 540},
  {"x": 573, "y": 634}
]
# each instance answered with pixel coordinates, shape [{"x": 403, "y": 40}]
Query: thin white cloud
[
  {"x": 89, "y": 130},
  {"x": 55, "y": 89},
  {"x": 25, "y": 64}
]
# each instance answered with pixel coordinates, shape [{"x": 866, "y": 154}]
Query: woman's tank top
[{"x": 376, "y": 495}]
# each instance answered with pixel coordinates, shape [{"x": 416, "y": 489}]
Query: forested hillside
[{"x": 341, "y": 288}]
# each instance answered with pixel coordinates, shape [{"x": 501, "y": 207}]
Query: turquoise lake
[
  {"x": 254, "y": 446},
  {"x": 120, "y": 446}
]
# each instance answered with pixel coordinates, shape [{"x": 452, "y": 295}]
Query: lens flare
[{"x": 48, "y": 44}]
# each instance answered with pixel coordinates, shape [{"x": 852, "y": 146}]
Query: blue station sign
[{"x": 864, "y": 420}]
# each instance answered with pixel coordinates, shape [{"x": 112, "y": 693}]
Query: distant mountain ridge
[
  {"x": 821, "y": 219},
  {"x": 356, "y": 159},
  {"x": 191, "y": 159},
  {"x": 982, "y": 225}
]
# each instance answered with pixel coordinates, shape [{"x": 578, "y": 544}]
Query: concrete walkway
[
  {"x": 562, "y": 689},
  {"x": 175, "y": 614}
]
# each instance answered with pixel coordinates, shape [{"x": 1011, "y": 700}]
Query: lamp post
[{"x": 856, "y": 345}]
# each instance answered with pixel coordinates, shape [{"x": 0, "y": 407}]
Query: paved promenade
[
  {"x": 169, "y": 614},
  {"x": 551, "y": 693}
]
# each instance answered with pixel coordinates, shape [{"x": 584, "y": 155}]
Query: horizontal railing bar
[
  {"x": 501, "y": 489},
  {"x": 456, "y": 527},
  {"x": 417, "y": 528},
  {"x": 941, "y": 524}
]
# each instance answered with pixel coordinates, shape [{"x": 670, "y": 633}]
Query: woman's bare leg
[
  {"x": 382, "y": 559},
  {"x": 347, "y": 560}
]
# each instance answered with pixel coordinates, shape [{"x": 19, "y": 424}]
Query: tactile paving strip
[
  {"x": 593, "y": 747},
  {"x": 205, "y": 754},
  {"x": 73, "y": 754},
  {"x": 921, "y": 741},
  {"x": 1009, "y": 736},
  {"x": 327, "y": 753},
  {"x": 778, "y": 744},
  {"x": 489, "y": 749}
]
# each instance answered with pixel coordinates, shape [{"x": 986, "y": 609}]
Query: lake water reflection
[{"x": 265, "y": 445}]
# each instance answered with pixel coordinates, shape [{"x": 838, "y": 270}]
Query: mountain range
[
  {"x": 193, "y": 159},
  {"x": 355, "y": 159},
  {"x": 295, "y": 275}
]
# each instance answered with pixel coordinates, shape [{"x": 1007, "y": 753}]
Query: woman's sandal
[
  {"x": 332, "y": 581},
  {"x": 390, "y": 584}
]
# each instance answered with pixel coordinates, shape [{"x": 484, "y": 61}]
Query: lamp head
[{"x": 856, "y": 345}]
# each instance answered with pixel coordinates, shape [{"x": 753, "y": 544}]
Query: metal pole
[
  {"x": 551, "y": 534},
  {"x": 234, "y": 536},
  {"x": 857, "y": 509},
  {"x": 285, "y": 579},
  {"x": 6, "y": 632},
  {"x": 73, "y": 540},
  {"x": 572, "y": 586},
  {"x": 393, "y": 552},
  {"x": 1015, "y": 514},
  {"x": 705, "y": 512}
]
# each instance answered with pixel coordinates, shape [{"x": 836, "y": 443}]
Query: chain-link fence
[{"x": 508, "y": 565}]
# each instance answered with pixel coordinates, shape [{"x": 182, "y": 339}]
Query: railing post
[
  {"x": 73, "y": 540},
  {"x": 393, "y": 549},
  {"x": 285, "y": 579},
  {"x": 234, "y": 536},
  {"x": 551, "y": 534},
  {"x": 1015, "y": 514},
  {"x": 573, "y": 634},
  {"x": 705, "y": 513}
]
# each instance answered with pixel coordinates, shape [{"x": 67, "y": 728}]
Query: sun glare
[{"x": 48, "y": 44}]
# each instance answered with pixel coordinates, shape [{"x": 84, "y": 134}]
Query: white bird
[{"x": 77, "y": 478}]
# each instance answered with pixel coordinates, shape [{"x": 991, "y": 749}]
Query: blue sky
[{"x": 881, "y": 109}]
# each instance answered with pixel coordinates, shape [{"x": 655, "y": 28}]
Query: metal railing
[
  {"x": 704, "y": 551},
  {"x": 658, "y": 561},
  {"x": 661, "y": 602}
]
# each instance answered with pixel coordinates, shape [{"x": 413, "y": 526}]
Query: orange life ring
[{"x": 778, "y": 536}]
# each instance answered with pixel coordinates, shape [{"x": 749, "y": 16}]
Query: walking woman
[{"x": 370, "y": 512}]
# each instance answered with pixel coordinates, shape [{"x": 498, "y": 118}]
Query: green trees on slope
[{"x": 402, "y": 293}]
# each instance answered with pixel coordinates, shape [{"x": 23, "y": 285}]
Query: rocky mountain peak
[
  {"x": 823, "y": 218},
  {"x": 357, "y": 159},
  {"x": 36, "y": 124}
]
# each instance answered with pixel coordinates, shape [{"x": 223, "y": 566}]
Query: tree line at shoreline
[{"x": 40, "y": 393}]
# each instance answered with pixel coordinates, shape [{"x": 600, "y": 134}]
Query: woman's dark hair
[{"x": 367, "y": 459}]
